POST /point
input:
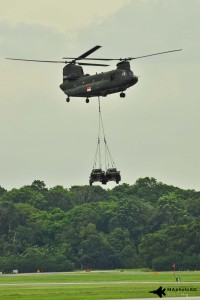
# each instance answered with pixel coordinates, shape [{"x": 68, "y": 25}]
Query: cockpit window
[
  {"x": 124, "y": 73},
  {"x": 127, "y": 73}
]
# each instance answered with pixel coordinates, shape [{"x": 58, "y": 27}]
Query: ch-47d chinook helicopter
[{"x": 77, "y": 84}]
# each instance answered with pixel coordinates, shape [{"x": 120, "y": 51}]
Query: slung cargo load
[
  {"x": 97, "y": 175},
  {"x": 113, "y": 175}
]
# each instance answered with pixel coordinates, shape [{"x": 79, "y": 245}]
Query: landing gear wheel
[
  {"x": 122, "y": 95},
  {"x": 68, "y": 99},
  {"x": 87, "y": 100}
]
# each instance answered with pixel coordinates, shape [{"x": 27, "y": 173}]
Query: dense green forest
[{"x": 145, "y": 225}]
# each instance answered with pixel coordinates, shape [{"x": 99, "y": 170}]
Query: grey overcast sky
[{"x": 153, "y": 132}]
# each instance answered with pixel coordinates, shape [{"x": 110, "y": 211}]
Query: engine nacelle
[
  {"x": 72, "y": 71},
  {"x": 123, "y": 65}
]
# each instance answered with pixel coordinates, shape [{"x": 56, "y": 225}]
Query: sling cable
[{"x": 110, "y": 173}]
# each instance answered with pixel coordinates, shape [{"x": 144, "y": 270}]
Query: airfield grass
[{"x": 95, "y": 285}]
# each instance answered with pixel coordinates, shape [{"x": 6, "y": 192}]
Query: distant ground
[{"x": 98, "y": 285}]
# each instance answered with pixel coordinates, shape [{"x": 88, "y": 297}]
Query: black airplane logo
[{"x": 159, "y": 292}]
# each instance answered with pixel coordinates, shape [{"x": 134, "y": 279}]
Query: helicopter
[{"x": 77, "y": 84}]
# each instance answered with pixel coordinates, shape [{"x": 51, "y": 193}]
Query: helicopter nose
[{"x": 134, "y": 80}]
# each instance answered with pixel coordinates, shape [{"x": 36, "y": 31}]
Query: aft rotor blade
[
  {"x": 35, "y": 60},
  {"x": 88, "y": 64},
  {"x": 130, "y": 58}
]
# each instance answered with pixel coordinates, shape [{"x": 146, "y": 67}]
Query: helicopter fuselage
[
  {"x": 101, "y": 84},
  {"x": 76, "y": 84}
]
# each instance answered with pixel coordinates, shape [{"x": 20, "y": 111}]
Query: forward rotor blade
[
  {"x": 88, "y": 52},
  {"x": 35, "y": 60},
  {"x": 57, "y": 61},
  {"x": 84, "y": 54},
  {"x": 88, "y": 64}
]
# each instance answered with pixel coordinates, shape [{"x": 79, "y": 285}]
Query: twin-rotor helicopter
[{"x": 77, "y": 84}]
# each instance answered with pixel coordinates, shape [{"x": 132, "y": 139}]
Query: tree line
[{"x": 145, "y": 225}]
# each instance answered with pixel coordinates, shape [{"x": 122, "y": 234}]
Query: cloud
[
  {"x": 49, "y": 27},
  {"x": 61, "y": 14},
  {"x": 23, "y": 40},
  {"x": 141, "y": 27},
  {"x": 150, "y": 133}
]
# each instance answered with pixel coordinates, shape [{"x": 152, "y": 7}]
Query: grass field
[{"x": 96, "y": 285}]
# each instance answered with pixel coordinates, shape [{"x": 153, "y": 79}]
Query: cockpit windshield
[{"x": 127, "y": 73}]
